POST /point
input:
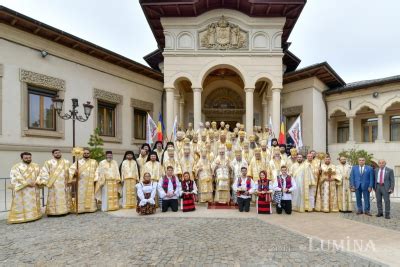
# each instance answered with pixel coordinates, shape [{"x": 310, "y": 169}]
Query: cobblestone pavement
[
  {"x": 102, "y": 239},
  {"x": 393, "y": 223}
]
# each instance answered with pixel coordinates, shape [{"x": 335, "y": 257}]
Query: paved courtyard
[
  {"x": 105, "y": 239},
  {"x": 393, "y": 223}
]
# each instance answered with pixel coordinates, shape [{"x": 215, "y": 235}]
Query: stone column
[
  {"x": 351, "y": 130},
  {"x": 181, "y": 111},
  {"x": 169, "y": 108},
  {"x": 196, "y": 107},
  {"x": 379, "y": 138},
  {"x": 249, "y": 109},
  {"x": 176, "y": 107},
  {"x": 276, "y": 109}
]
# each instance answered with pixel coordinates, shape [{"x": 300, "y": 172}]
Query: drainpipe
[
  {"x": 162, "y": 103},
  {"x": 326, "y": 124}
]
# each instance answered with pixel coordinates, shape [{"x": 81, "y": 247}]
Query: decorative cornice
[
  {"x": 136, "y": 103},
  {"x": 41, "y": 80},
  {"x": 107, "y": 96}
]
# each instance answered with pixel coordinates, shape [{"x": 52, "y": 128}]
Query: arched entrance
[
  {"x": 224, "y": 104},
  {"x": 223, "y": 97}
]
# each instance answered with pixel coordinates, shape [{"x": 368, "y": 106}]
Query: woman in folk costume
[
  {"x": 264, "y": 191},
  {"x": 204, "y": 176},
  {"x": 159, "y": 149},
  {"x": 129, "y": 171},
  {"x": 25, "y": 205},
  {"x": 189, "y": 192},
  {"x": 155, "y": 169},
  {"x": 146, "y": 192}
]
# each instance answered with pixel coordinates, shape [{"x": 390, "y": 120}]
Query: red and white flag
[
  {"x": 151, "y": 130},
  {"x": 295, "y": 133}
]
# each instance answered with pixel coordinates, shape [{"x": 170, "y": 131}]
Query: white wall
[{"x": 82, "y": 75}]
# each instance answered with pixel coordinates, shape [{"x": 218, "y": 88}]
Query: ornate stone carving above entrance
[{"x": 223, "y": 35}]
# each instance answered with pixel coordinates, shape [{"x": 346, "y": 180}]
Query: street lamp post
[
  {"x": 73, "y": 113},
  {"x": 74, "y": 116}
]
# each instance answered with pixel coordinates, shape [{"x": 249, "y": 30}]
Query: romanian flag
[
  {"x": 160, "y": 128},
  {"x": 282, "y": 134}
]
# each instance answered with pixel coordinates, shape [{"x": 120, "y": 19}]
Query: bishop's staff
[
  {"x": 321, "y": 156},
  {"x": 77, "y": 152}
]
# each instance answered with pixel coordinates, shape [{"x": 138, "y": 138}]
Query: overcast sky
[{"x": 359, "y": 38}]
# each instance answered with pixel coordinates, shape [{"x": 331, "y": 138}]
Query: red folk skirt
[
  {"x": 188, "y": 202},
  {"x": 264, "y": 204}
]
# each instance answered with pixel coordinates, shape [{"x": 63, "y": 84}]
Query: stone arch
[
  {"x": 395, "y": 99},
  {"x": 177, "y": 77},
  {"x": 338, "y": 108},
  {"x": 221, "y": 63},
  {"x": 362, "y": 105},
  {"x": 264, "y": 76}
]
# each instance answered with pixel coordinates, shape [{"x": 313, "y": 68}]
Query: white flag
[
  {"x": 175, "y": 128},
  {"x": 151, "y": 130},
  {"x": 295, "y": 133},
  {"x": 271, "y": 131}
]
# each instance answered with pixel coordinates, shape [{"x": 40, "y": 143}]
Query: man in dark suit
[
  {"x": 362, "y": 182},
  {"x": 384, "y": 186}
]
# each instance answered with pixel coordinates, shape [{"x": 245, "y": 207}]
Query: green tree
[
  {"x": 353, "y": 155},
  {"x": 96, "y": 146}
]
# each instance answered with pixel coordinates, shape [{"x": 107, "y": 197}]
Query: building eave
[
  {"x": 35, "y": 27},
  {"x": 323, "y": 71}
]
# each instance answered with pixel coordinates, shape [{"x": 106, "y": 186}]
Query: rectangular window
[
  {"x": 139, "y": 124},
  {"x": 395, "y": 128},
  {"x": 41, "y": 114},
  {"x": 106, "y": 118},
  {"x": 370, "y": 129},
  {"x": 342, "y": 131}
]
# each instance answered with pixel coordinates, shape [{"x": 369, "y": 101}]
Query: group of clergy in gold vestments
[{"x": 212, "y": 156}]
